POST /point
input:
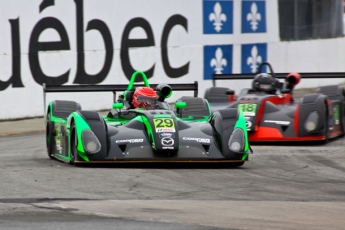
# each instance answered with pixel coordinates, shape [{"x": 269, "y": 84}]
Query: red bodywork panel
[{"x": 273, "y": 134}]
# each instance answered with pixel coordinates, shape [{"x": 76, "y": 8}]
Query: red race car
[{"x": 273, "y": 114}]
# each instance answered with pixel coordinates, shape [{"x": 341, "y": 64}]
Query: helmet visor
[{"x": 147, "y": 102}]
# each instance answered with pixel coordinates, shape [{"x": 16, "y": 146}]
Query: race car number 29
[
  {"x": 247, "y": 109},
  {"x": 164, "y": 125}
]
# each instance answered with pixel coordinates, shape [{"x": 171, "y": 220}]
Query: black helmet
[{"x": 266, "y": 83}]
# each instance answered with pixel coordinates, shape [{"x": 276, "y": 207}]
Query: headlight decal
[
  {"x": 237, "y": 141},
  {"x": 241, "y": 124},
  {"x": 312, "y": 121},
  {"x": 90, "y": 142}
]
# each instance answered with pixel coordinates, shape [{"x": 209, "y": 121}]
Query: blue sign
[
  {"x": 253, "y": 16},
  {"x": 217, "y": 59},
  {"x": 218, "y": 16},
  {"x": 252, "y": 56}
]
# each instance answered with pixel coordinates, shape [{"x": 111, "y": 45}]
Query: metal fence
[{"x": 310, "y": 19}]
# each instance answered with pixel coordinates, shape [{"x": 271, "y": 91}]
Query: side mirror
[
  {"x": 163, "y": 91},
  {"x": 180, "y": 104},
  {"x": 118, "y": 105}
]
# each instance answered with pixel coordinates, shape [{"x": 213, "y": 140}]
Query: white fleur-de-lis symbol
[
  {"x": 254, "y": 17},
  {"x": 254, "y": 60},
  {"x": 218, "y": 62},
  {"x": 218, "y": 17}
]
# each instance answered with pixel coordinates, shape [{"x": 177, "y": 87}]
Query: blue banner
[
  {"x": 218, "y": 17},
  {"x": 253, "y": 16},
  {"x": 217, "y": 59},
  {"x": 252, "y": 56}
]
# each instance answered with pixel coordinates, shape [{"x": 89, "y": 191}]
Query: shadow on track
[{"x": 164, "y": 165}]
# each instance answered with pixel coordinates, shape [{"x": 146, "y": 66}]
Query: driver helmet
[
  {"x": 145, "y": 98},
  {"x": 266, "y": 83}
]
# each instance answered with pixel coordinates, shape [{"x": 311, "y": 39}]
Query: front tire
[
  {"x": 49, "y": 136},
  {"x": 326, "y": 125},
  {"x": 73, "y": 144}
]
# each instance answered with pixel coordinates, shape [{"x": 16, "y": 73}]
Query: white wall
[{"x": 184, "y": 45}]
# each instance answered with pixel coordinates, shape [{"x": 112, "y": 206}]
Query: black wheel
[
  {"x": 49, "y": 136},
  {"x": 326, "y": 125},
  {"x": 73, "y": 144}
]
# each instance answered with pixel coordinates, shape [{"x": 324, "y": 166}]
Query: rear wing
[
  {"x": 111, "y": 88},
  {"x": 307, "y": 75},
  {"x": 250, "y": 76}
]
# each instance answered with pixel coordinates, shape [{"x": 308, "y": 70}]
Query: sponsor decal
[
  {"x": 167, "y": 147},
  {"x": 130, "y": 141},
  {"x": 200, "y": 140},
  {"x": 164, "y": 130},
  {"x": 167, "y": 141},
  {"x": 161, "y": 135},
  {"x": 278, "y": 122},
  {"x": 248, "y": 124}
]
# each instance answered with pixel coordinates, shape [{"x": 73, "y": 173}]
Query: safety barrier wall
[{"x": 102, "y": 42}]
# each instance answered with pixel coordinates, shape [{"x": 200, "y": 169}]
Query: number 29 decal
[{"x": 164, "y": 125}]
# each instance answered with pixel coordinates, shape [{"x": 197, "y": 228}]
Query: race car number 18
[{"x": 247, "y": 109}]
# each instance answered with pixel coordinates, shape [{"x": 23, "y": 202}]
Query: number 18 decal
[{"x": 247, "y": 109}]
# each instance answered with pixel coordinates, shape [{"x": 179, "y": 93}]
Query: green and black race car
[{"x": 188, "y": 133}]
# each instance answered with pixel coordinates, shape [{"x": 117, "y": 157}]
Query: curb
[{"x": 19, "y": 133}]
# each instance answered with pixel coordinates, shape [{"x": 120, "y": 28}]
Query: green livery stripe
[
  {"x": 149, "y": 130},
  {"x": 241, "y": 124},
  {"x": 80, "y": 125}
]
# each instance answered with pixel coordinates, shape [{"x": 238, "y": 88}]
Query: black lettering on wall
[
  {"x": 46, "y": 3},
  {"x": 82, "y": 77},
  {"x": 170, "y": 71},
  {"x": 35, "y": 47},
  {"x": 127, "y": 43},
  {"x": 15, "y": 79}
]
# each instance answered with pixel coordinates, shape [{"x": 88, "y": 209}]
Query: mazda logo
[{"x": 167, "y": 141}]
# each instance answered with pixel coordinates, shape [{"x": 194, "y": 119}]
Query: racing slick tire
[
  {"x": 326, "y": 125},
  {"x": 73, "y": 144},
  {"x": 49, "y": 136},
  {"x": 336, "y": 92}
]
